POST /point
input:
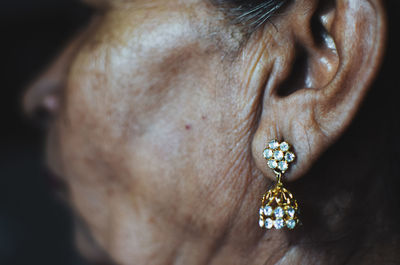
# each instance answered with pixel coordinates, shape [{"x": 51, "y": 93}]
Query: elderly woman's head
[{"x": 162, "y": 110}]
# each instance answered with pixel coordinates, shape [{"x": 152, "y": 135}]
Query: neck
[{"x": 335, "y": 229}]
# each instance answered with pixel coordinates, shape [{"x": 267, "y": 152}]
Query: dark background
[{"x": 35, "y": 228}]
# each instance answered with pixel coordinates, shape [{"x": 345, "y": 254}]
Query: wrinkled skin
[{"x": 157, "y": 106}]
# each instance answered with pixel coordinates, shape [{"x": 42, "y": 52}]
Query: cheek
[{"x": 151, "y": 129}]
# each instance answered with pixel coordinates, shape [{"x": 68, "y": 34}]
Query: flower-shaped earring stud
[{"x": 278, "y": 156}]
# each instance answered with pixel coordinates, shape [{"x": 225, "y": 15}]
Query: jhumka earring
[{"x": 278, "y": 206}]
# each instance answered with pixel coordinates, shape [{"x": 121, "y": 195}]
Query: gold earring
[{"x": 278, "y": 206}]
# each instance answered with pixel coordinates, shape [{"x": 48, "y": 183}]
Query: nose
[{"x": 42, "y": 99}]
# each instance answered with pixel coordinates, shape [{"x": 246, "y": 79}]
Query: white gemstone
[
  {"x": 261, "y": 211},
  {"x": 261, "y": 222},
  {"x": 269, "y": 223},
  {"x": 289, "y": 156},
  {"x": 279, "y": 212},
  {"x": 290, "y": 223},
  {"x": 283, "y": 165},
  {"x": 267, "y": 210},
  {"x": 278, "y": 155},
  {"x": 272, "y": 164},
  {"x": 268, "y": 153},
  {"x": 290, "y": 212},
  {"x": 284, "y": 146},
  {"x": 279, "y": 223},
  {"x": 273, "y": 144}
]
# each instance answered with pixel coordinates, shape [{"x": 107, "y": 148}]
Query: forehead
[{"x": 198, "y": 18}]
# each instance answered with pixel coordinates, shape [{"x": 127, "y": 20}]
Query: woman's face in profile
[
  {"x": 162, "y": 109},
  {"x": 149, "y": 118}
]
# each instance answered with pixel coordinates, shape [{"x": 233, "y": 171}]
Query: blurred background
[{"x": 35, "y": 228}]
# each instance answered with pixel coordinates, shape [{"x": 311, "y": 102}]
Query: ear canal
[
  {"x": 316, "y": 60},
  {"x": 298, "y": 73}
]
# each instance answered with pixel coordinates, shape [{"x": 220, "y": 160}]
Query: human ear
[{"x": 328, "y": 54}]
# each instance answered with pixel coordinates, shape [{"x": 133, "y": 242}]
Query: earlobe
[{"x": 335, "y": 52}]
